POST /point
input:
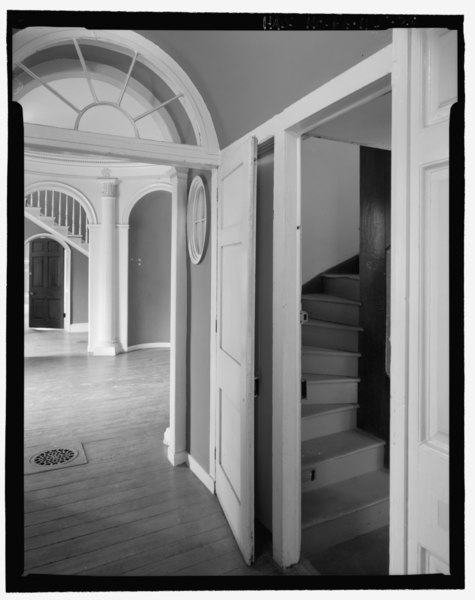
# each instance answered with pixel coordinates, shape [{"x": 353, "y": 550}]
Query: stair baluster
[{"x": 60, "y": 213}]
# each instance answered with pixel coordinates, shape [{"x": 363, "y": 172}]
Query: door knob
[{"x": 32, "y": 293}]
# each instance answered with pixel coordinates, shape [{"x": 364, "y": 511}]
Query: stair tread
[
  {"x": 344, "y": 497},
  {"x": 331, "y": 324},
  {"x": 342, "y": 275},
  {"x": 337, "y": 444},
  {"x": 321, "y": 297},
  {"x": 317, "y": 378},
  {"x": 311, "y": 410},
  {"x": 333, "y": 351}
]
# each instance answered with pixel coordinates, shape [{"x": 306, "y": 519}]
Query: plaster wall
[
  {"x": 330, "y": 204},
  {"x": 149, "y": 270}
]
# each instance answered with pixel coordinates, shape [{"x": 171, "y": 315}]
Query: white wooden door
[
  {"x": 433, "y": 90},
  {"x": 235, "y": 341}
]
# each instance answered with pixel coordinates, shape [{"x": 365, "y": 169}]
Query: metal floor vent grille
[{"x": 53, "y": 456}]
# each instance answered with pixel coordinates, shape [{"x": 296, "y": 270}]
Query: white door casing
[
  {"x": 235, "y": 342},
  {"x": 432, "y": 91}
]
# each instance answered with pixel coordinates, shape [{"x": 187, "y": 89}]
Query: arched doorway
[
  {"x": 48, "y": 282},
  {"x": 149, "y": 272}
]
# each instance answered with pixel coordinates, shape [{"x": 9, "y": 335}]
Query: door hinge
[
  {"x": 304, "y": 389},
  {"x": 256, "y": 387},
  {"x": 303, "y": 317},
  {"x": 216, "y": 325}
]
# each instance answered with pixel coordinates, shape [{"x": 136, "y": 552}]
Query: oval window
[{"x": 196, "y": 220}]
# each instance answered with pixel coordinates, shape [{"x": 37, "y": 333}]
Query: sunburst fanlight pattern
[{"x": 92, "y": 88}]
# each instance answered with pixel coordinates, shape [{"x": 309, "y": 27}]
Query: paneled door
[
  {"x": 433, "y": 90},
  {"x": 46, "y": 284},
  {"x": 235, "y": 342}
]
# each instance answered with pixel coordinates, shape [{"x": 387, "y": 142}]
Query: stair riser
[
  {"x": 326, "y": 424},
  {"x": 326, "y": 337},
  {"x": 343, "y": 467},
  {"x": 335, "y": 312},
  {"x": 331, "y": 393},
  {"x": 327, "y": 364},
  {"x": 48, "y": 221},
  {"x": 62, "y": 230},
  {"x": 342, "y": 287},
  {"x": 330, "y": 533}
]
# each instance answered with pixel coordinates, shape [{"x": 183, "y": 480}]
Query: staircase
[
  {"x": 59, "y": 214},
  {"x": 345, "y": 488}
]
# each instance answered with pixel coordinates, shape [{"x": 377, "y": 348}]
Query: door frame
[
  {"x": 366, "y": 80},
  {"x": 354, "y": 91},
  {"x": 67, "y": 300}
]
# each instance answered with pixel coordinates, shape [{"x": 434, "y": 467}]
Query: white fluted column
[
  {"x": 176, "y": 434},
  {"x": 106, "y": 324}
]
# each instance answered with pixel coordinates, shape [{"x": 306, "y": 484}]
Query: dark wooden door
[
  {"x": 46, "y": 284},
  {"x": 375, "y": 213}
]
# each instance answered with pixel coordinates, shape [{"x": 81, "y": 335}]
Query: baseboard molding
[
  {"x": 148, "y": 346},
  {"x": 177, "y": 458},
  {"x": 202, "y": 475},
  {"x": 79, "y": 327}
]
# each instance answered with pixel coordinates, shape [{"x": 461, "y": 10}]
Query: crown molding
[{"x": 90, "y": 167}]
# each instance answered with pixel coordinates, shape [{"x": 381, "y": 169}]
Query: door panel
[
  {"x": 235, "y": 352},
  {"x": 433, "y": 84},
  {"x": 46, "y": 284}
]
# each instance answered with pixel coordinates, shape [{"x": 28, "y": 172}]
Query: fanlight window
[
  {"x": 196, "y": 220},
  {"x": 100, "y": 88}
]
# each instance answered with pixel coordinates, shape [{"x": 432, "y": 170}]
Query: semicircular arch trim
[
  {"x": 32, "y": 40},
  {"x": 56, "y": 186},
  {"x": 155, "y": 187}
]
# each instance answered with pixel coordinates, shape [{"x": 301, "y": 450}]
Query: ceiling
[
  {"x": 246, "y": 77},
  {"x": 367, "y": 125}
]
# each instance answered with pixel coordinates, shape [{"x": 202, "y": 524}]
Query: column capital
[{"x": 109, "y": 184}]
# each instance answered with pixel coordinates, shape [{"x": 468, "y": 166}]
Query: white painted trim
[
  {"x": 65, "y": 188},
  {"x": 213, "y": 241},
  {"x": 365, "y": 73},
  {"x": 178, "y": 320},
  {"x": 367, "y": 78},
  {"x": 52, "y": 230},
  {"x": 148, "y": 151},
  {"x": 33, "y": 39},
  {"x": 202, "y": 475},
  {"x": 93, "y": 274},
  {"x": 79, "y": 327},
  {"x": 176, "y": 458},
  {"x": 148, "y": 346},
  {"x": 67, "y": 297},
  {"x": 161, "y": 186},
  {"x": 123, "y": 283},
  {"x": 400, "y": 197},
  {"x": 286, "y": 355}
]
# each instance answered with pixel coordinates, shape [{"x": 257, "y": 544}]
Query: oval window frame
[{"x": 197, "y": 241}]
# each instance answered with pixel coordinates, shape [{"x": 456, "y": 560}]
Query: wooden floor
[{"x": 127, "y": 511}]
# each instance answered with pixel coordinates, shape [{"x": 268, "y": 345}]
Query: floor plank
[{"x": 127, "y": 511}]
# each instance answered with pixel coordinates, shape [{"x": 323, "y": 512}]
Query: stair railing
[{"x": 64, "y": 209}]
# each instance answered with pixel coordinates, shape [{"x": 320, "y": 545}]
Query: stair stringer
[{"x": 47, "y": 223}]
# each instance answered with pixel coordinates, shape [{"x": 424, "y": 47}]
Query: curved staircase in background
[{"x": 60, "y": 214}]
